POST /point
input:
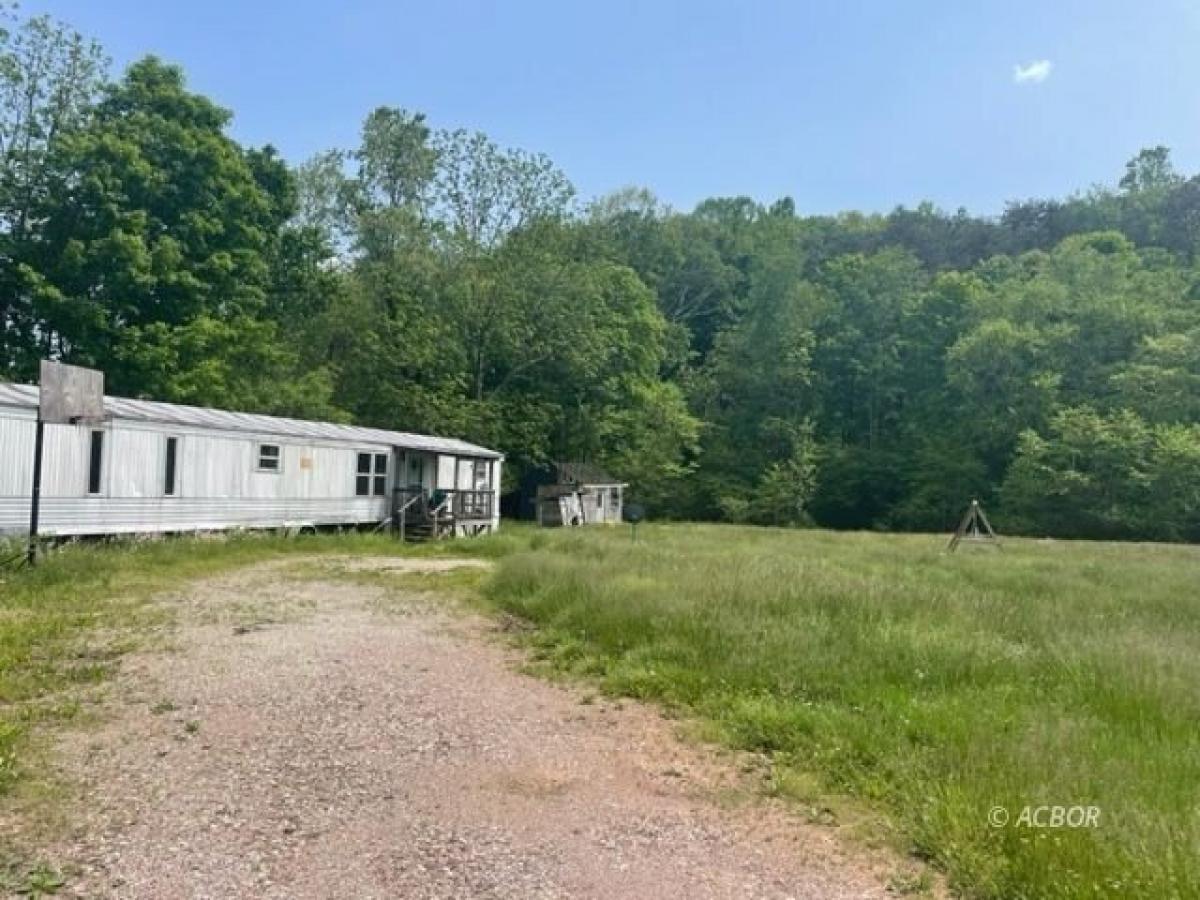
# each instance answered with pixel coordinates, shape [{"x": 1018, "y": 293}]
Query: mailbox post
[{"x": 634, "y": 513}]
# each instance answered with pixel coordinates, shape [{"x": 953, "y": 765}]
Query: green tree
[
  {"x": 1005, "y": 375},
  {"x": 1111, "y": 477},
  {"x": 755, "y": 394},
  {"x": 162, "y": 241},
  {"x": 679, "y": 257},
  {"x": 783, "y": 491},
  {"x": 50, "y": 78},
  {"x": 858, "y": 352},
  {"x": 1150, "y": 170},
  {"x": 1161, "y": 380}
]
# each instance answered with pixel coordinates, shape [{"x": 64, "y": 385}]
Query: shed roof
[
  {"x": 554, "y": 491},
  {"x": 26, "y": 396},
  {"x": 584, "y": 473}
]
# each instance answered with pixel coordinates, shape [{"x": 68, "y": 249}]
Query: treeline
[{"x": 741, "y": 361}]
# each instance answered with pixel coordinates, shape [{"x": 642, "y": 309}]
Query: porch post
[{"x": 493, "y": 490}]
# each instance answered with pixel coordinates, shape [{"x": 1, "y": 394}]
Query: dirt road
[{"x": 315, "y": 736}]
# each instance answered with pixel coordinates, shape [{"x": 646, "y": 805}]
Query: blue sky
[{"x": 841, "y": 105}]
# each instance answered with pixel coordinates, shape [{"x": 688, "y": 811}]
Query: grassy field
[
  {"x": 876, "y": 671},
  {"x": 930, "y": 687}
]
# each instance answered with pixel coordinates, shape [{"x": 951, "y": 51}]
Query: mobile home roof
[{"x": 25, "y": 396}]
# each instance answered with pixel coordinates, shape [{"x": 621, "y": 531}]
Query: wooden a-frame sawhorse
[{"x": 969, "y": 528}]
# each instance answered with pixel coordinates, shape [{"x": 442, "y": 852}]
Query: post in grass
[{"x": 634, "y": 514}]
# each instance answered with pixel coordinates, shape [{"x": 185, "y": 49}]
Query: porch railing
[
  {"x": 471, "y": 504},
  {"x": 460, "y": 504}
]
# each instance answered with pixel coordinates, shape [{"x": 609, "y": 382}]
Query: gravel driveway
[{"x": 322, "y": 737}]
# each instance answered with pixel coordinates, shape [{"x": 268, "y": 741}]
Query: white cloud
[{"x": 1032, "y": 73}]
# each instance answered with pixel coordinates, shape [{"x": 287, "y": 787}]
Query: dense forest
[{"x": 741, "y": 361}]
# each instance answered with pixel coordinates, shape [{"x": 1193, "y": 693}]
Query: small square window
[{"x": 268, "y": 457}]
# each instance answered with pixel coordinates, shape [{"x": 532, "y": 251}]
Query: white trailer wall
[
  {"x": 219, "y": 482},
  {"x": 16, "y": 468}
]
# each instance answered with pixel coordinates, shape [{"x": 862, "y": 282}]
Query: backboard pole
[
  {"x": 67, "y": 395},
  {"x": 36, "y": 495}
]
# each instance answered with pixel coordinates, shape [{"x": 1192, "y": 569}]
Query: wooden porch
[{"x": 420, "y": 514}]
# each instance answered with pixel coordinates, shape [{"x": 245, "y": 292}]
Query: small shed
[{"x": 581, "y": 494}]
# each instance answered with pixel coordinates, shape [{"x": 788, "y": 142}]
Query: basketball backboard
[{"x": 70, "y": 394}]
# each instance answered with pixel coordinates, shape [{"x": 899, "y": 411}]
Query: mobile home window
[
  {"x": 169, "y": 466},
  {"x": 95, "y": 461},
  {"x": 362, "y": 476},
  {"x": 268, "y": 457},
  {"x": 481, "y": 475},
  {"x": 381, "y": 463}
]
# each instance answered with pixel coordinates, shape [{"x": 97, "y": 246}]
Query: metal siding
[
  {"x": 14, "y": 515},
  {"x": 134, "y": 462},
  {"x": 65, "y": 458},
  {"x": 172, "y": 414},
  {"x": 218, "y": 485},
  {"x": 332, "y": 470},
  {"x": 16, "y": 455},
  {"x": 214, "y": 466},
  {"x": 133, "y": 515}
]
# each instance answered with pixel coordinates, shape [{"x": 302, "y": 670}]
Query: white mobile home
[{"x": 160, "y": 467}]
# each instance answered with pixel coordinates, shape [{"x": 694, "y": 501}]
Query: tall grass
[{"x": 933, "y": 687}]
